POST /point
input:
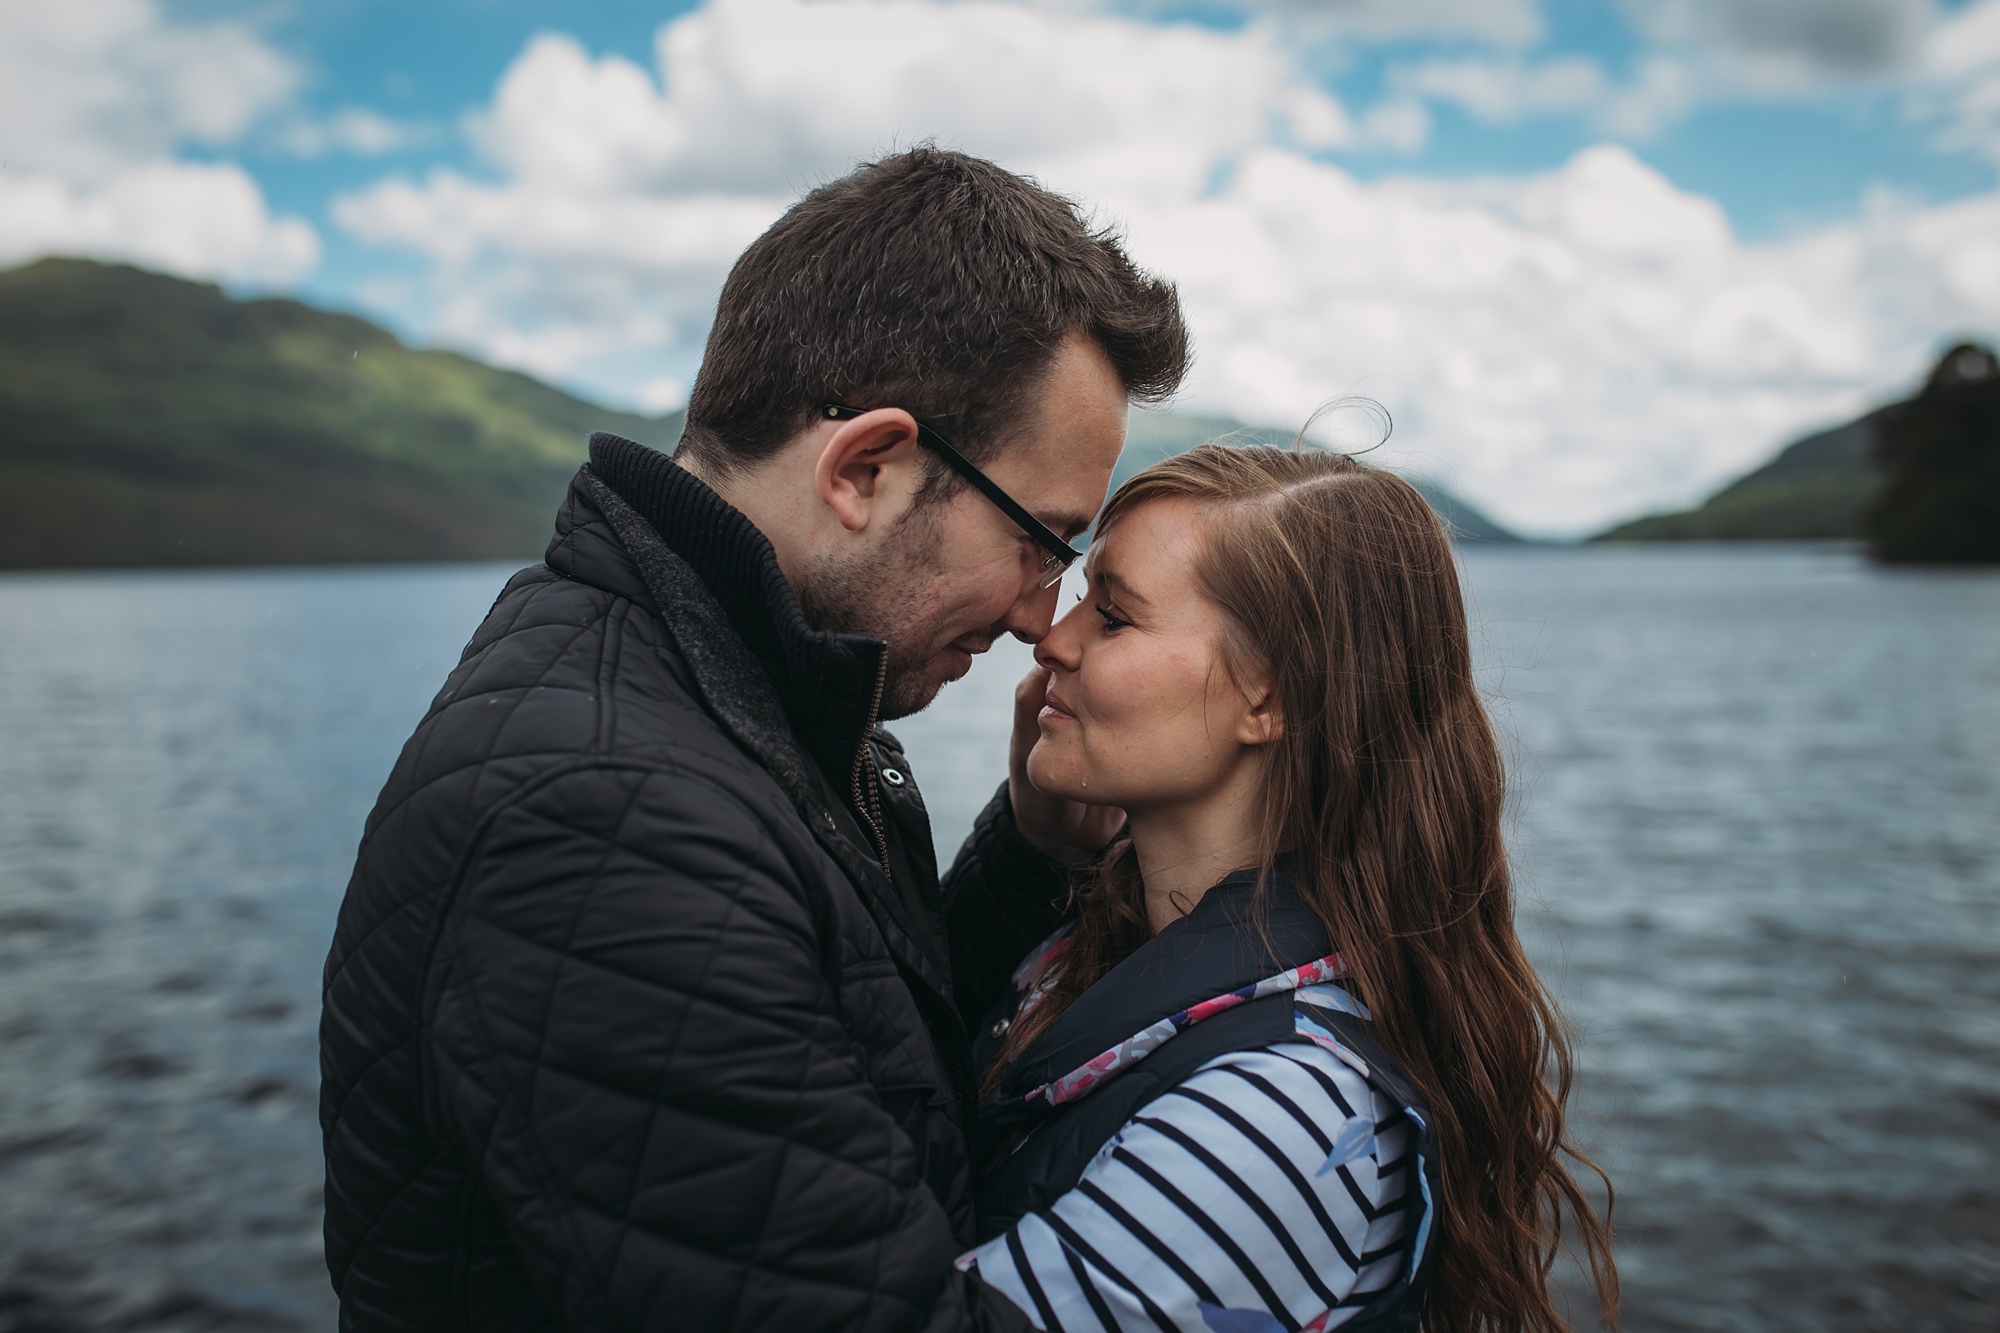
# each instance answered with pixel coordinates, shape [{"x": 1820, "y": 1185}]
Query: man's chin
[
  {"x": 907, "y": 697},
  {"x": 913, "y": 691}
]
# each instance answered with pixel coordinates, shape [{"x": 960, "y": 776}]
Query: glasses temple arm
[{"x": 1044, "y": 536}]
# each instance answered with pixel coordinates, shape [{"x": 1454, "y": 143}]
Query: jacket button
[
  {"x": 893, "y": 777},
  {"x": 1000, "y": 1028}
]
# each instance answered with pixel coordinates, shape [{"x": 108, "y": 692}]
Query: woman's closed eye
[{"x": 1112, "y": 623}]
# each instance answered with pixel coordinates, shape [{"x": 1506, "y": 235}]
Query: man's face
[{"x": 949, "y": 579}]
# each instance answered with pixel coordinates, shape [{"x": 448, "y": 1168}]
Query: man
[{"x": 646, "y": 1008}]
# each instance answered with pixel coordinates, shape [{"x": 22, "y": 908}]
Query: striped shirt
[{"x": 1263, "y": 1194}]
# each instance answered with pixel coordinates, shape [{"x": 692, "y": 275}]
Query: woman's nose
[{"x": 1061, "y": 649}]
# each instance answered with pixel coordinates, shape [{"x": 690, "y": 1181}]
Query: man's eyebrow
[{"x": 1068, "y": 526}]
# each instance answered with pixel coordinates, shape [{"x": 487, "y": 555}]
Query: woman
[{"x": 1288, "y": 1067}]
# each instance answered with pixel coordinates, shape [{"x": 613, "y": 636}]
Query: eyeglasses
[{"x": 1061, "y": 555}]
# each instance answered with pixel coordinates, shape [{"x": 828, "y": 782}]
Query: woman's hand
[{"x": 1069, "y": 831}]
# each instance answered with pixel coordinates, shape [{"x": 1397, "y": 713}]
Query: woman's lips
[{"x": 1054, "y": 707}]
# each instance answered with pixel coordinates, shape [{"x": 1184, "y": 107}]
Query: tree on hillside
[{"x": 1940, "y": 458}]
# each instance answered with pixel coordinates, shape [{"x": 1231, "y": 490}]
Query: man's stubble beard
[{"x": 879, "y": 595}]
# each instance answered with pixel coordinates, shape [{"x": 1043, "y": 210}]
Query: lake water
[{"x": 1757, "y": 820}]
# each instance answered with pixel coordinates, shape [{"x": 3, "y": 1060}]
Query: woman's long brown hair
[{"x": 1384, "y": 793}]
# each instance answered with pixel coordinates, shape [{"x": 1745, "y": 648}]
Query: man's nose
[{"x": 1030, "y": 617}]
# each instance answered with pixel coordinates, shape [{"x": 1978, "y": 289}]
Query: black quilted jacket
[{"x": 644, "y": 1006}]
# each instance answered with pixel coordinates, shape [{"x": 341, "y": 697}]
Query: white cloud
[
  {"x": 1569, "y": 347},
  {"x": 1505, "y": 23},
  {"x": 89, "y": 87},
  {"x": 1398, "y": 124},
  {"x": 1719, "y": 52},
  {"x": 624, "y": 196},
  {"x": 96, "y": 96},
  {"x": 1507, "y": 90},
  {"x": 198, "y": 219},
  {"x": 663, "y": 393},
  {"x": 353, "y": 129},
  {"x": 1968, "y": 43},
  {"x": 1961, "y": 89}
]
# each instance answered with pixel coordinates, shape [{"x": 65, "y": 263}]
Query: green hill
[
  {"x": 1918, "y": 480},
  {"x": 1156, "y": 435},
  {"x": 1818, "y": 487},
  {"x": 145, "y": 420}
]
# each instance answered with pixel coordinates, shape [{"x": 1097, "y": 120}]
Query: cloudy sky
[{"x": 1595, "y": 257}]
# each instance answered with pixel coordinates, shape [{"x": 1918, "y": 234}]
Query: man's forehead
[
  {"x": 1061, "y": 506},
  {"x": 1064, "y": 489}
]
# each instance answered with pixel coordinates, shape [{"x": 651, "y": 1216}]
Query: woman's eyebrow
[{"x": 1111, "y": 577}]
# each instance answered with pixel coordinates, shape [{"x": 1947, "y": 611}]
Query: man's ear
[{"x": 868, "y": 466}]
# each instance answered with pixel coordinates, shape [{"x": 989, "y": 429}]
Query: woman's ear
[
  {"x": 1264, "y": 720},
  {"x": 863, "y": 463}
]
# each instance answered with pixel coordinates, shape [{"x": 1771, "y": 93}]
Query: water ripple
[{"x": 1756, "y": 816}]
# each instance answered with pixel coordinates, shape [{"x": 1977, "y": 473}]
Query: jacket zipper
[
  {"x": 867, "y": 795},
  {"x": 868, "y": 800}
]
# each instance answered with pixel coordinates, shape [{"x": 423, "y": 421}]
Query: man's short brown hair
[{"x": 930, "y": 281}]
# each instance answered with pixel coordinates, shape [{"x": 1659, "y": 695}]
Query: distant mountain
[
  {"x": 1918, "y": 480},
  {"x": 1153, "y": 436},
  {"x": 1817, "y": 487},
  {"x": 145, "y": 420}
]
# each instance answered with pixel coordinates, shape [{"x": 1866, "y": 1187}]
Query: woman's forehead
[{"x": 1150, "y": 547}]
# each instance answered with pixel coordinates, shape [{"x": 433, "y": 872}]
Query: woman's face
[{"x": 1141, "y": 711}]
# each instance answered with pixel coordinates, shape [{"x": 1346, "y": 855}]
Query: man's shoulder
[
  {"x": 570, "y": 703},
  {"x": 548, "y": 629},
  {"x": 561, "y": 676}
]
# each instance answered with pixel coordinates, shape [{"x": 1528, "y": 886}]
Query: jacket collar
[
  {"x": 1239, "y": 943},
  {"x": 603, "y": 540},
  {"x": 825, "y": 682}
]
